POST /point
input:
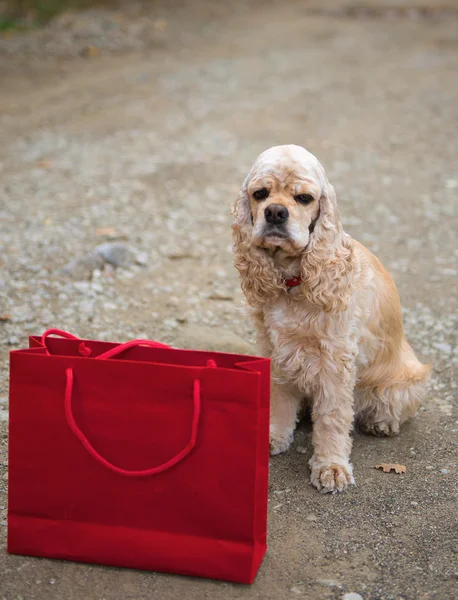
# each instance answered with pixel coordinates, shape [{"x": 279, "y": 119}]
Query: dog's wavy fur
[{"x": 337, "y": 339}]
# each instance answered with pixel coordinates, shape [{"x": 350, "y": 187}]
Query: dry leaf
[
  {"x": 5, "y": 317},
  {"x": 106, "y": 231},
  {"x": 44, "y": 164},
  {"x": 387, "y": 467},
  {"x": 91, "y": 51}
]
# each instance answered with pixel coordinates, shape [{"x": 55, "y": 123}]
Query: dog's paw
[
  {"x": 381, "y": 429},
  {"x": 280, "y": 440},
  {"x": 331, "y": 477}
]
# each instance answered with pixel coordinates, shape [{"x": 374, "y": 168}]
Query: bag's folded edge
[{"x": 119, "y": 546}]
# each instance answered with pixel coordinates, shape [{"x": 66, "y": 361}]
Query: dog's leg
[
  {"x": 285, "y": 402},
  {"x": 332, "y": 417}
]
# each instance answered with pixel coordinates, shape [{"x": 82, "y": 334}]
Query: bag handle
[
  {"x": 59, "y": 332},
  {"x": 85, "y": 351},
  {"x": 103, "y": 461},
  {"x": 118, "y": 349}
]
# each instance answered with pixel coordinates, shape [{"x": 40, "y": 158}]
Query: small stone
[
  {"x": 455, "y": 550},
  {"x": 13, "y": 341},
  {"x": 82, "y": 268},
  {"x": 311, "y": 517},
  {"x": 443, "y": 347},
  {"x": 86, "y": 307},
  {"x": 52, "y": 581},
  {"x": 445, "y": 471},
  {"x": 97, "y": 287},
  {"x": 301, "y": 450},
  {"x": 352, "y": 596},
  {"x": 116, "y": 254},
  {"x": 142, "y": 259},
  {"x": 296, "y": 590},
  {"x": 82, "y": 286},
  {"x": 414, "y": 504}
]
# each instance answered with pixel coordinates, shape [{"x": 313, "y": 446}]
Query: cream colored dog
[{"x": 326, "y": 312}]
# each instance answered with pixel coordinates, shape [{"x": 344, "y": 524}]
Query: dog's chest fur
[{"x": 309, "y": 344}]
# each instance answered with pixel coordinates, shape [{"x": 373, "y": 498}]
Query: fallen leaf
[
  {"x": 106, "y": 231},
  {"x": 387, "y": 467},
  {"x": 5, "y": 317},
  {"x": 44, "y": 164},
  {"x": 91, "y": 51}
]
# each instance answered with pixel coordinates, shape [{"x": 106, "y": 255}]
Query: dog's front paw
[
  {"x": 280, "y": 440},
  {"x": 331, "y": 477}
]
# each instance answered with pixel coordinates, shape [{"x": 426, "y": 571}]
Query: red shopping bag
[{"x": 139, "y": 455}]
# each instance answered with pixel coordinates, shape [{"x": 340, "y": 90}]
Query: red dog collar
[{"x": 293, "y": 282}]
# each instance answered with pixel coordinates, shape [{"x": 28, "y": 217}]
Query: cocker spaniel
[{"x": 326, "y": 312}]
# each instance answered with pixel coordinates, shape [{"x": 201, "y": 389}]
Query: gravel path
[{"x": 125, "y": 136}]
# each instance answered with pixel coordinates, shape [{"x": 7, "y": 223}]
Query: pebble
[
  {"x": 141, "y": 259},
  {"x": 301, "y": 450},
  {"x": 445, "y": 471},
  {"x": 13, "y": 341},
  {"x": 311, "y": 517},
  {"x": 82, "y": 286},
  {"x": 443, "y": 347},
  {"x": 116, "y": 254},
  {"x": 86, "y": 307},
  {"x": 352, "y": 596},
  {"x": 414, "y": 504}
]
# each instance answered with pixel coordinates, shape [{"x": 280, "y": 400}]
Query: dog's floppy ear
[
  {"x": 327, "y": 266},
  {"x": 260, "y": 279}
]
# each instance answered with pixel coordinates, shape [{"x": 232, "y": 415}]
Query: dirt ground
[{"x": 137, "y": 125}]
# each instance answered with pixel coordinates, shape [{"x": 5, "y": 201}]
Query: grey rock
[
  {"x": 116, "y": 254},
  {"x": 215, "y": 339},
  {"x": 352, "y": 596},
  {"x": 86, "y": 307},
  {"x": 13, "y": 341},
  {"x": 443, "y": 347},
  {"x": 82, "y": 268},
  {"x": 82, "y": 286},
  {"x": 141, "y": 259}
]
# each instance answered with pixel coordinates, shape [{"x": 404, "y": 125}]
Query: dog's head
[
  {"x": 287, "y": 205},
  {"x": 283, "y": 190}
]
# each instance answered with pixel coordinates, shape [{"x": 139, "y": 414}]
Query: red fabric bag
[{"x": 139, "y": 455}]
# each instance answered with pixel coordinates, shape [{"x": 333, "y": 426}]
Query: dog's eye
[
  {"x": 261, "y": 194},
  {"x": 304, "y": 198}
]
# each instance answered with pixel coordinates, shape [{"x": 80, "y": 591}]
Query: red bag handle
[
  {"x": 58, "y": 332},
  {"x": 103, "y": 461},
  {"x": 85, "y": 351}
]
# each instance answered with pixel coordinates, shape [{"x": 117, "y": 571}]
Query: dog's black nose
[{"x": 276, "y": 214}]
